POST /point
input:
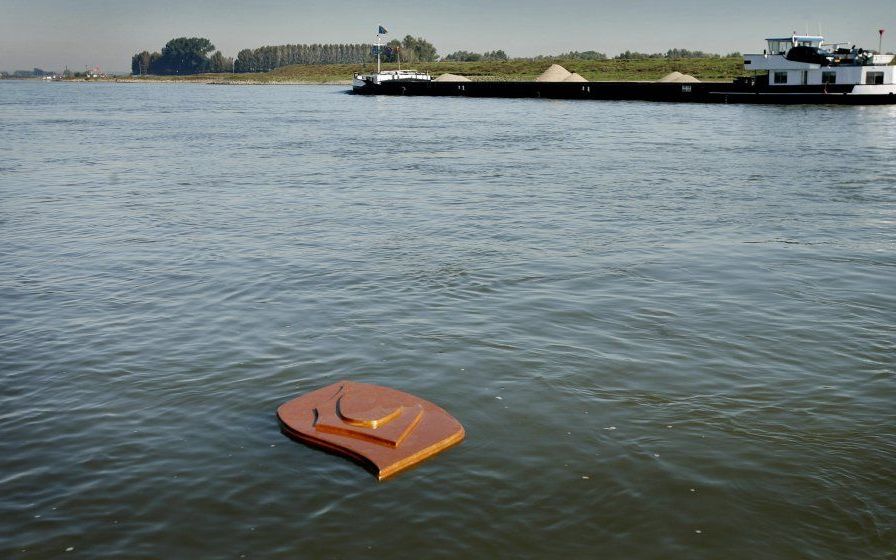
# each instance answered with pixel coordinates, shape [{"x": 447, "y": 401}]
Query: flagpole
[{"x": 378, "y": 48}]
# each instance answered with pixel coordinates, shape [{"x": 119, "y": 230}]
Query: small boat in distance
[
  {"x": 362, "y": 81},
  {"x": 793, "y": 69}
]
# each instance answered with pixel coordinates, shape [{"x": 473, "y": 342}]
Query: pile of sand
[
  {"x": 574, "y": 77},
  {"x": 678, "y": 77},
  {"x": 555, "y": 73},
  {"x": 451, "y": 78}
]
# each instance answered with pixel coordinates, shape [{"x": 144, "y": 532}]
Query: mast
[{"x": 380, "y": 31}]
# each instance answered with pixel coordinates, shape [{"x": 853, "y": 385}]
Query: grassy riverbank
[{"x": 707, "y": 69}]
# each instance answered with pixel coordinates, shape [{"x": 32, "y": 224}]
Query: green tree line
[
  {"x": 574, "y": 55},
  {"x": 467, "y": 56},
  {"x": 35, "y": 73},
  {"x": 267, "y": 58},
  {"x": 672, "y": 53},
  {"x": 195, "y": 55}
]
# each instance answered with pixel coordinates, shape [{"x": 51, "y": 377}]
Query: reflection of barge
[{"x": 796, "y": 69}]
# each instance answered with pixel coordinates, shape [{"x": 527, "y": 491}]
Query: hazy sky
[{"x": 54, "y": 33}]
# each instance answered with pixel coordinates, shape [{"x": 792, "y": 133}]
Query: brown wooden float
[{"x": 385, "y": 430}]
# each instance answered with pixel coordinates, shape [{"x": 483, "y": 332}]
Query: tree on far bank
[
  {"x": 685, "y": 53},
  {"x": 418, "y": 49},
  {"x": 410, "y": 49},
  {"x": 245, "y": 61},
  {"x": 141, "y": 62},
  {"x": 629, "y": 55},
  {"x": 219, "y": 63},
  {"x": 183, "y": 55},
  {"x": 463, "y": 56},
  {"x": 393, "y": 51},
  {"x": 495, "y": 55}
]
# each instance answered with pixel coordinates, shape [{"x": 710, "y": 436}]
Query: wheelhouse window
[
  {"x": 874, "y": 78},
  {"x": 829, "y": 77},
  {"x": 779, "y": 47},
  {"x": 780, "y": 77}
]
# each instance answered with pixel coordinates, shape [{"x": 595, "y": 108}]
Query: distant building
[{"x": 94, "y": 72}]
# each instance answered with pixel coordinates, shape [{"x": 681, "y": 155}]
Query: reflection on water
[{"x": 667, "y": 329}]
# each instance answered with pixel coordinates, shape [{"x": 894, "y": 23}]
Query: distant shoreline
[
  {"x": 644, "y": 70},
  {"x": 220, "y": 82},
  {"x": 265, "y": 83}
]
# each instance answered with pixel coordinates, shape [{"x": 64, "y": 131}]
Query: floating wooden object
[{"x": 385, "y": 430}]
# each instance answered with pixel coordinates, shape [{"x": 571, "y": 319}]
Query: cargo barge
[{"x": 792, "y": 70}]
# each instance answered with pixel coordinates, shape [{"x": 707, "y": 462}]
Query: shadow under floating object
[{"x": 385, "y": 430}]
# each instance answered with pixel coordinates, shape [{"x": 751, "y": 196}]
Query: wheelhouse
[{"x": 781, "y": 46}]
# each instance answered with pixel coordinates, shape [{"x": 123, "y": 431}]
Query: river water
[{"x": 669, "y": 330}]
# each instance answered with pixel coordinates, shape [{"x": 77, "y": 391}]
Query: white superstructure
[
  {"x": 388, "y": 75},
  {"x": 808, "y": 60}
]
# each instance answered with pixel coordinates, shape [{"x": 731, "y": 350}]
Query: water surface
[{"x": 668, "y": 329}]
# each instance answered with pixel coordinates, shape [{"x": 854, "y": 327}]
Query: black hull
[{"x": 702, "y": 92}]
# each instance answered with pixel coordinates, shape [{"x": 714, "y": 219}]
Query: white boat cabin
[
  {"x": 361, "y": 80},
  {"x": 808, "y": 60}
]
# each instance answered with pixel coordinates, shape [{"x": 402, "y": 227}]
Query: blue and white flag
[{"x": 382, "y": 30}]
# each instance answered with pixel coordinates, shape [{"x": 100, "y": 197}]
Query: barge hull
[{"x": 699, "y": 92}]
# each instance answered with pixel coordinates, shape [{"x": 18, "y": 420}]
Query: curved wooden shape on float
[{"x": 384, "y": 429}]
